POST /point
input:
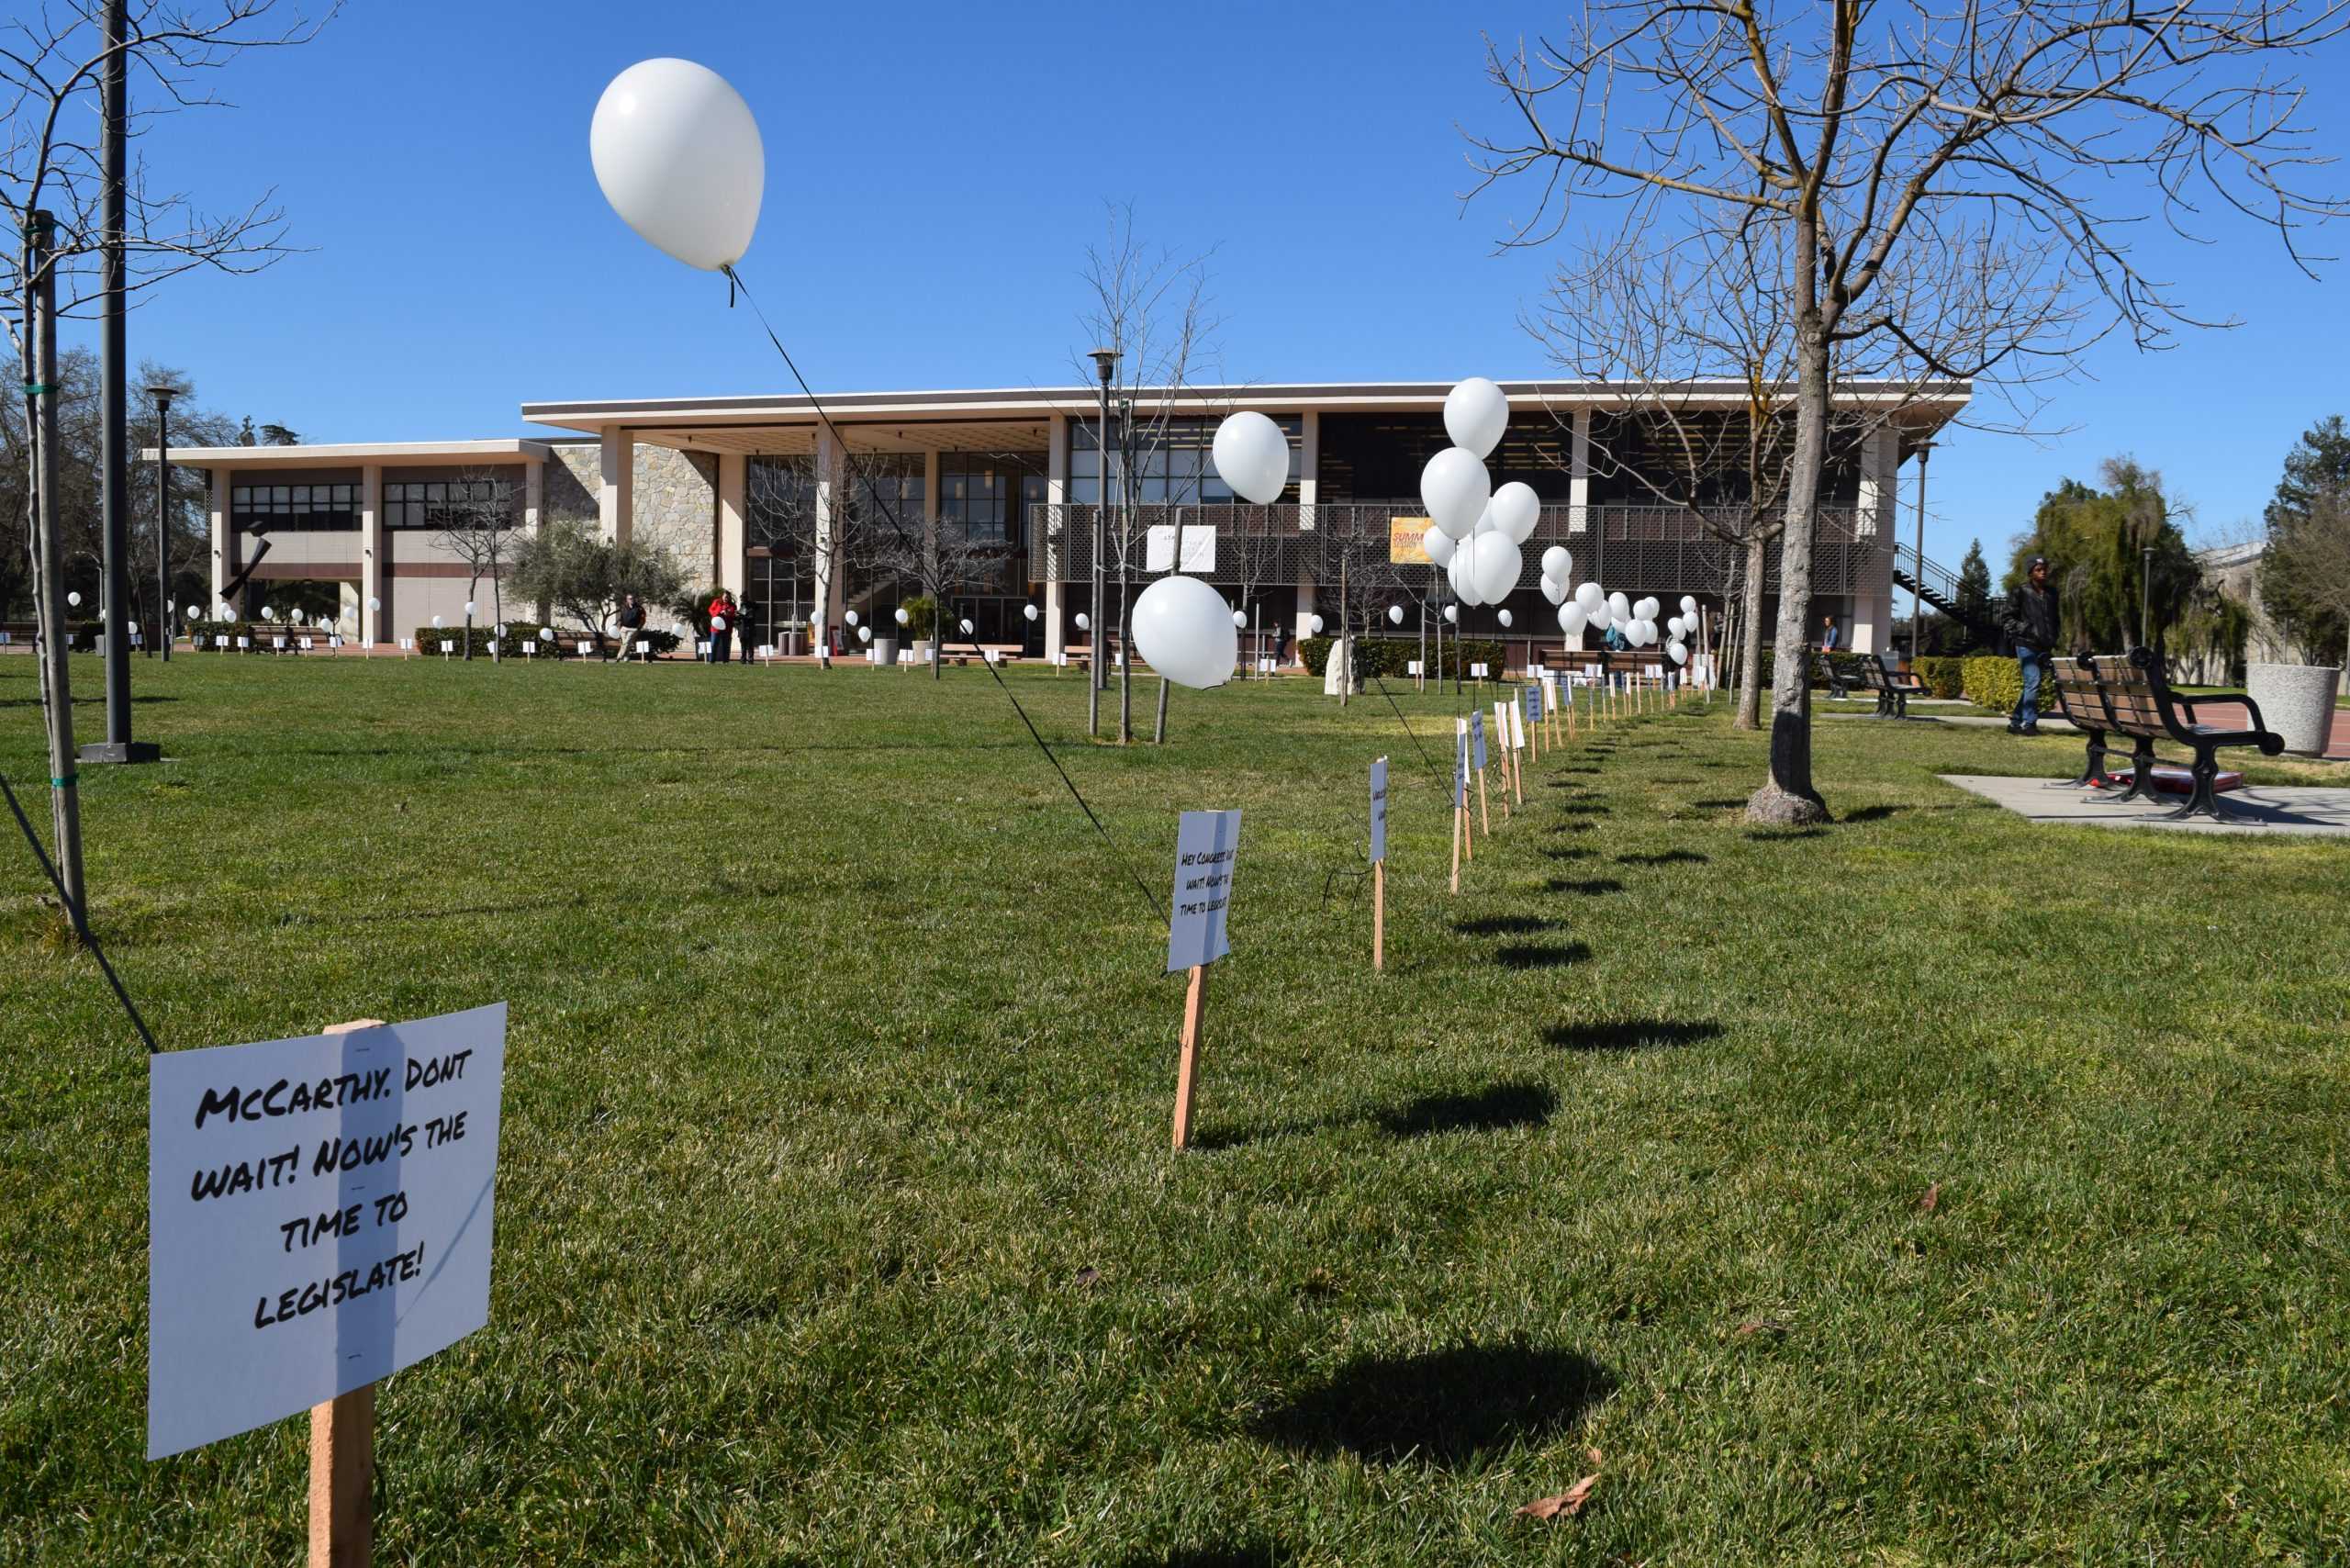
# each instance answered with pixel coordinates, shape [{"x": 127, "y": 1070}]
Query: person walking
[
  {"x": 722, "y": 614},
  {"x": 632, "y": 619},
  {"x": 1826, "y": 633},
  {"x": 2032, "y": 623}
]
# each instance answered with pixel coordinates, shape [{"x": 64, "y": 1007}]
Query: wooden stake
[
  {"x": 1195, "y": 1006},
  {"x": 1484, "y": 817},
  {"x": 1378, "y": 914},
  {"x": 343, "y": 1457},
  {"x": 1458, "y": 813}
]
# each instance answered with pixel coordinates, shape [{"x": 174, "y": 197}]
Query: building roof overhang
[{"x": 344, "y": 455}]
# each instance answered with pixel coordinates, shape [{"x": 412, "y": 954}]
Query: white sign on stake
[
  {"x": 1199, "y": 549},
  {"x": 1477, "y": 738},
  {"x": 1206, "y": 846},
  {"x": 1379, "y": 810},
  {"x": 318, "y": 1216}
]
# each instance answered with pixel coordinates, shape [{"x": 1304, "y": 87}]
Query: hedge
[
  {"x": 1392, "y": 656},
  {"x": 1945, "y": 676},
  {"x": 1997, "y": 684}
]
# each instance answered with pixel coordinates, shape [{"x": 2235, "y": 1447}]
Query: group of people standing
[{"x": 728, "y": 627}]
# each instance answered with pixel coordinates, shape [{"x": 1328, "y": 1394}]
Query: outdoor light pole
[
  {"x": 1106, "y": 364},
  {"x": 1918, "y": 564},
  {"x": 162, "y": 396},
  {"x": 2146, "y": 596}
]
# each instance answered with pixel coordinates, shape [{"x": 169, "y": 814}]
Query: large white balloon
[
  {"x": 1454, "y": 486},
  {"x": 1688, "y": 605},
  {"x": 1619, "y": 608},
  {"x": 1476, "y": 412},
  {"x": 1461, "y": 574},
  {"x": 1591, "y": 596},
  {"x": 679, "y": 155},
  {"x": 1680, "y": 653},
  {"x": 1183, "y": 630},
  {"x": 1395, "y": 615},
  {"x": 850, "y": 617},
  {"x": 1497, "y": 565},
  {"x": 1672, "y": 624},
  {"x": 1598, "y": 617},
  {"x": 1028, "y": 612},
  {"x": 1553, "y": 590},
  {"x": 1240, "y": 620},
  {"x": 1572, "y": 617},
  {"x": 1252, "y": 456},
  {"x": 1515, "y": 510},
  {"x": 1439, "y": 544},
  {"x": 1646, "y": 610},
  {"x": 1558, "y": 561}
]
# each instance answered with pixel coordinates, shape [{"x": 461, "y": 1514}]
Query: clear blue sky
[{"x": 934, "y": 174}]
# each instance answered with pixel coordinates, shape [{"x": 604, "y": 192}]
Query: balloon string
[
  {"x": 80, "y": 918},
  {"x": 733, "y": 283}
]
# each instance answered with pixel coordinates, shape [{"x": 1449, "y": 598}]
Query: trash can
[{"x": 2296, "y": 702}]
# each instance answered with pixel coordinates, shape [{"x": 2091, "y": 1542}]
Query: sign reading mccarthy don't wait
[{"x": 318, "y": 1216}]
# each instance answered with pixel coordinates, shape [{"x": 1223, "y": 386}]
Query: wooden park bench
[
  {"x": 2081, "y": 700},
  {"x": 2135, "y": 698},
  {"x": 1825, "y": 673},
  {"x": 1893, "y": 687}
]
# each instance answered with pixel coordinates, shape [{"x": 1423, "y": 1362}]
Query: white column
[
  {"x": 1304, "y": 604},
  {"x": 1579, "y": 478},
  {"x": 1880, "y": 491},
  {"x": 930, "y": 466},
  {"x": 1055, "y": 496},
  {"x": 1309, "y": 466},
  {"x": 831, "y": 471},
  {"x": 733, "y": 529},
  {"x": 616, "y": 500},
  {"x": 372, "y": 534},
  {"x": 220, "y": 540}
]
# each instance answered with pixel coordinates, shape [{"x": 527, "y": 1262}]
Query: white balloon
[
  {"x": 678, "y": 156},
  {"x": 373, "y": 603},
  {"x": 1558, "y": 562},
  {"x": 1515, "y": 510},
  {"x": 1183, "y": 630},
  {"x": 1591, "y": 596},
  {"x": 194, "y": 613},
  {"x": 1439, "y": 544},
  {"x": 134, "y": 628},
  {"x": 1484, "y": 521},
  {"x": 1497, "y": 565},
  {"x": 1688, "y": 605},
  {"x": 1572, "y": 617},
  {"x": 850, "y": 617},
  {"x": 470, "y": 607},
  {"x": 1028, "y": 610},
  {"x": 1673, "y": 625},
  {"x": 1314, "y": 626},
  {"x": 718, "y": 624},
  {"x": 1505, "y": 618},
  {"x": 1619, "y": 608},
  {"x": 1553, "y": 591},
  {"x": 865, "y": 633},
  {"x": 1395, "y": 615},
  {"x": 1240, "y": 619},
  {"x": 1476, "y": 412},
  {"x": 501, "y": 629},
  {"x": 298, "y": 618},
  {"x": 1461, "y": 576},
  {"x": 1084, "y": 622},
  {"x": 1251, "y": 455},
  {"x": 967, "y": 626},
  {"x": 546, "y": 634},
  {"x": 1680, "y": 655},
  {"x": 903, "y": 617},
  {"x": 1452, "y": 614},
  {"x": 1599, "y": 618},
  {"x": 73, "y": 599},
  {"x": 1454, "y": 486}
]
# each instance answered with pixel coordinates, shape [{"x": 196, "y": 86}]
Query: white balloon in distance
[
  {"x": 546, "y": 634},
  {"x": 865, "y": 633},
  {"x": 1680, "y": 653},
  {"x": 1598, "y": 618},
  {"x": 1505, "y": 618},
  {"x": 436, "y": 621},
  {"x": 1240, "y": 620},
  {"x": 850, "y": 617},
  {"x": 1498, "y": 566},
  {"x": 1572, "y": 617},
  {"x": 1688, "y": 605},
  {"x": 1558, "y": 562},
  {"x": 965, "y": 625},
  {"x": 1454, "y": 486},
  {"x": 678, "y": 154},
  {"x": 1183, "y": 630},
  {"x": 1476, "y": 412},
  {"x": 1028, "y": 610},
  {"x": 1515, "y": 510},
  {"x": 1252, "y": 456},
  {"x": 1314, "y": 626},
  {"x": 1395, "y": 615},
  {"x": 1084, "y": 622},
  {"x": 903, "y": 617},
  {"x": 718, "y": 624},
  {"x": 76, "y": 600},
  {"x": 1619, "y": 608},
  {"x": 1452, "y": 614},
  {"x": 1438, "y": 546},
  {"x": 1591, "y": 596},
  {"x": 472, "y": 609},
  {"x": 1553, "y": 591}
]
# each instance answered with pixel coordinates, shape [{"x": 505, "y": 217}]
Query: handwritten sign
[
  {"x": 1412, "y": 666},
  {"x": 1379, "y": 810},
  {"x": 1207, "y": 845},
  {"x": 1532, "y": 697},
  {"x": 1477, "y": 737},
  {"x": 1477, "y": 672},
  {"x": 1199, "y": 549},
  {"x": 318, "y": 1216},
  {"x": 1460, "y": 765},
  {"x": 1517, "y": 712}
]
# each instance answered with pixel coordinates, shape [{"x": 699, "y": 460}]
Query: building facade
[{"x": 990, "y": 500}]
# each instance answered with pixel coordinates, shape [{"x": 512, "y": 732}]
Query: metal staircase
[{"x": 1937, "y": 586}]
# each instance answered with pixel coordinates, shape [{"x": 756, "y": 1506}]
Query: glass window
[{"x": 1173, "y": 460}]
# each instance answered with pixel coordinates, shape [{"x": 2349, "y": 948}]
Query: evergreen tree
[
  {"x": 1973, "y": 602},
  {"x": 2313, "y": 492}
]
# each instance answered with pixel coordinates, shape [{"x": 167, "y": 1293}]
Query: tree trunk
[
  {"x": 1126, "y": 665},
  {"x": 1788, "y": 797},
  {"x": 1750, "y": 635},
  {"x": 1159, "y": 731}
]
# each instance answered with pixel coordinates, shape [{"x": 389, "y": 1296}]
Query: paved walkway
[{"x": 2264, "y": 809}]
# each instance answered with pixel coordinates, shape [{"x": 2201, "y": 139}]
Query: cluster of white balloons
[
  {"x": 1182, "y": 628},
  {"x": 1475, "y": 530}
]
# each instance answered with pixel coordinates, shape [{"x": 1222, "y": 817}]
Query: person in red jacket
[{"x": 722, "y": 616}]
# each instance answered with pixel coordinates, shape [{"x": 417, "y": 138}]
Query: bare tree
[
  {"x": 1150, "y": 307},
  {"x": 479, "y": 524},
  {"x": 2005, "y": 138}
]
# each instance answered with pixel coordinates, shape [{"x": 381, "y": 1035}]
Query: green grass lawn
[{"x": 836, "y": 1222}]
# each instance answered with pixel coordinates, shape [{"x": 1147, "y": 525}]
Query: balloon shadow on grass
[
  {"x": 1584, "y": 809},
  {"x": 1250, "y": 1556},
  {"x": 1563, "y": 852},
  {"x": 1719, "y": 803},
  {"x": 1873, "y": 814},
  {"x": 1486, "y": 1110},
  {"x": 1529, "y": 956},
  {"x": 1589, "y": 887},
  {"x": 1629, "y": 1034},
  {"x": 1773, "y": 834},
  {"x": 1664, "y": 858},
  {"x": 1505, "y": 925},
  {"x": 1444, "y": 1406}
]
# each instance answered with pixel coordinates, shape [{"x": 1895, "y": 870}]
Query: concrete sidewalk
[{"x": 2265, "y": 808}]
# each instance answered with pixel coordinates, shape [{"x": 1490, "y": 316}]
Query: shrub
[
  {"x": 1945, "y": 676},
  {"x": 1994, "y": 683},
  {"x": 922, "y": 617}
]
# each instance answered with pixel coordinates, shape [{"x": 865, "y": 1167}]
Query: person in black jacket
[
  {"x": 2032, "y": 623},
  {"x": 631, "y": 620}
]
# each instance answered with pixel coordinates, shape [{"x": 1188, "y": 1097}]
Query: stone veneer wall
[{"x": 677, "y": 500}]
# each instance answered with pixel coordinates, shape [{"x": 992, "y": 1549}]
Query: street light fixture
[
  {"x": 162, "y": 396},
  {"x": 1105, "y": 365},
  {"x": 1918, "y": 563}
]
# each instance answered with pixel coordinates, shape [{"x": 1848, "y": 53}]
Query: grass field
[{"x": 836, "y": 1219}]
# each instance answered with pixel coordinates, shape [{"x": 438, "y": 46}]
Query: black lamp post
[
  {"x": 163, "y": 399},
  {"x": 1106, "y": 364}
]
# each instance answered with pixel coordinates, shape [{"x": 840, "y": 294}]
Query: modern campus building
[{"x": 995, "y": 491}]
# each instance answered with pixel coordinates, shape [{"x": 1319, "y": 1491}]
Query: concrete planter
[
  {"x": 2296, "y": 702},
  {"x": 885, "y": 650}
]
